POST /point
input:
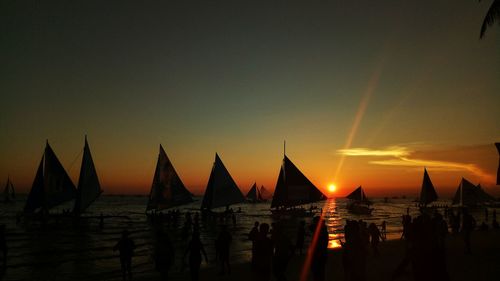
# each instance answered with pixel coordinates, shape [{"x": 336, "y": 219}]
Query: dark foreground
[{"x": 482, "y": 264}]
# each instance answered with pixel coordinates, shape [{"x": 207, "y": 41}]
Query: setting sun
[{"x": 332, "y": 187}]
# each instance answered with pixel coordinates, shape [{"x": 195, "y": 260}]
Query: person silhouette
[
  {"x": 222, "y": 248},
  {"x": 252, "y": 236},
  {"x": 301, "y": 234},
  {"x": 468, "y": 225},
  {"x": 195, "y": 249},
  {"x": 126, "y": 248},
  {"x": 320, "y": 250},
  {"x": 283, "y": 250},
  {"x": 3, "y": 249},
  {"x": 384, "y": 230},
  {"x": 164, "y": 254},
  {"x": 375, "y": 237},
  {"x": 263, "y": 254}
]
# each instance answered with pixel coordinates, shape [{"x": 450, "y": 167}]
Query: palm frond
[{"x": 492, "y": 15}]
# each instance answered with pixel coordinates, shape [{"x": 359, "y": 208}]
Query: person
[
  {"x": 3, "y": 248},
  {"x": 320, "y": 253},
  {"x": 494, "y": 224},
  {"x": 252, "y": 236},
  {"x": 263, "y": 254},
  {"x": 375, "y": 237},
  {"x": 126, "y": 247},
  {"x": 283, "y": 250},
  {"x": 354, "y": 252},
  {"x": 468, "y": 225},
  {"x": 195, "y": 249},
  {"x": 301, "y": 233},
  {"x": 164, "y": 254},
  {"x": 222, "y": 247}
]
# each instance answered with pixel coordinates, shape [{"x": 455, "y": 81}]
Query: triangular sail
[
  {"x": 467, "y": 194},
  {"x": 167, "y": 190},
  {"x": 88, "y": 183},
  {"x": 293, "y": 188},
  {"x": 6, "y": 191},
  {"x": 498, "y": 172},
  {"x": 359, "y": 195},
  {"x": 12, "y": 191},
  {"x": 221, "y": 189},
  {"x": 427, "y": 193},
  {"x": 483, "y": 195},
  {"x": 52, "y": 185},
  {"x": 262, "y": 193},
  {"x": 253, "y": 193}
]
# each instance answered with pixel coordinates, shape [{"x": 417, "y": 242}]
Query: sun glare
[{"x": 332, "y": 187}]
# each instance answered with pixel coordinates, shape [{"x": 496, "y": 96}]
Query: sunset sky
[{"x": 364, "y": 92}]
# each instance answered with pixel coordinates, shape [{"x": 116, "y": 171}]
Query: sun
[{"x": 332, "y": 187}]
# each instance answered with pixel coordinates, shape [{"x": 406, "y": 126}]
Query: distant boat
[
  {"x": 497, "y": 144},
  {"x": 89, "y": 188},
  {"x": 167, "y": 190},
  {"x": 9, "y": 192},
  {"x": 293, "y": 189},
  {"x": 52, "y": 185},
  {"x": 359, "y": 203},
  {"x": 427, "y": 192},
  {"x": 470, "y": 195},
  {"x": 253, "y": 194},
  {"x": 221, "y": 189}
]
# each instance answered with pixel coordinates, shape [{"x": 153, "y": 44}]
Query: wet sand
[{"x": 482, "y": 264}]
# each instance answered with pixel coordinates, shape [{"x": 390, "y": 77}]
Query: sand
[{"x": 482, "y": 264}]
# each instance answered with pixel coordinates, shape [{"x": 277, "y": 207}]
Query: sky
[{"x": 364, "y": 92}]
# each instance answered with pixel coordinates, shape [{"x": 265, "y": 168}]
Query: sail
[
  {"x": 6, "y": 191},
  {"x": 52, "y": 185},
  {"x": 252, "y": 193},
  {"x": 427, "y": 193},
  {"x": 293, "y": 188},
  {"x": 263, "y": 193},
  {"x": 88, "y": 183},
  {"x": 221, "y": 189},
  {"x": 359, "y": 195},
  {"x": 12, "y": 191},
  {"x": 467, "y": 194},
  {"x": 167, "y": 190},
  {"x": 498, "y": 172},
  {"x": 485, "y": 197}
]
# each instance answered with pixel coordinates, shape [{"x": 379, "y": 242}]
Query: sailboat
[
  {"x": 89, "y": 188},
  {"x": 167, "y": 190},
  {"x": 427, "y": 192},
  {"x": 52, "y": 185},
  {"x": 293, "y": 189},
  {"x": 8, "y": 192},
  {"x": 359, "y": 203},
  {"x": 253, "y": 194},
  {"x": 497, "y": 144},
  {"x": 470, "y": 195},
  {"x": 221, "y": 189}
]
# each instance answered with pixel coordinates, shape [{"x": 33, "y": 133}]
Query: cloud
[
  {"x": 401, "y": 156},
  {"x": 396, "y": 151}
]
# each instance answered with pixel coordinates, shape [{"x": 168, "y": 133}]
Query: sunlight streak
[{"x": 372, "y": 85}]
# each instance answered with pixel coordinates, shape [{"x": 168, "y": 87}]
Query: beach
[{"x": 481, "y": 265}]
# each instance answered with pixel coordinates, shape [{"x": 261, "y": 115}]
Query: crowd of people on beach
[{"x": 273, "y": 247}]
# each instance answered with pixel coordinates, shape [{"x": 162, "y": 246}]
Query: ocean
[{"x": 83, "y": 251}]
